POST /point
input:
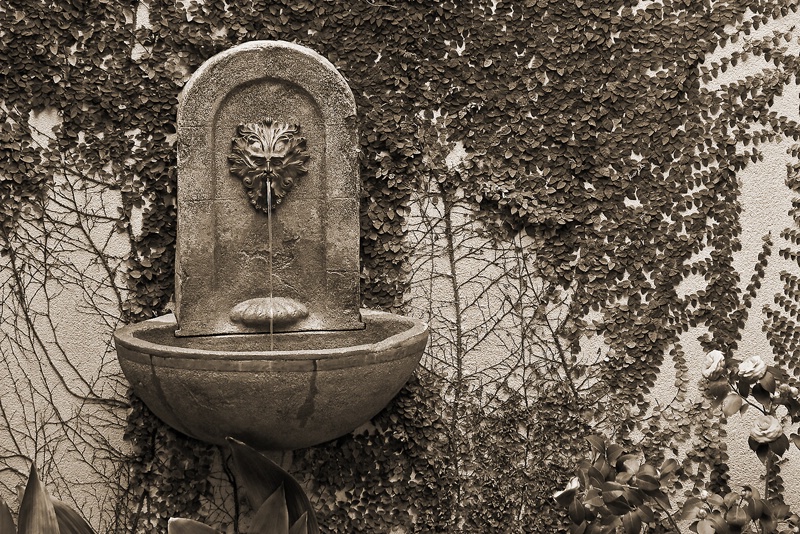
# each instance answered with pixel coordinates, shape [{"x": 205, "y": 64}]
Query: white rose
[
  {"x": 753, "y": 368},
  {"x": 714, "y": 365},
  {"x": 766, "y": 430}
]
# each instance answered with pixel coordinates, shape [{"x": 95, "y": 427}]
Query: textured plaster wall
[
  {"x": 765, "y": 201},
  {"x": 58, "y": 362},
  {"x": 79, "y": 336}
]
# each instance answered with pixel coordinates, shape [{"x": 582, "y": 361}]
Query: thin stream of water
[{"x": 269, "y": 236}]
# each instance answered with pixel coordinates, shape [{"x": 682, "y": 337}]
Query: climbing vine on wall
[{"x": 597, "y": 145}]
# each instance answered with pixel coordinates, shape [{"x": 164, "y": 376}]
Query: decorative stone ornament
[
  {"x": 268, "y": 343},
  {"x": 259, "y": 312},
  {"x": 268, "y": 154},
  {"x": 267, "y": 116}
]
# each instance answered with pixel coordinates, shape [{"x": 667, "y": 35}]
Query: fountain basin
[{"x": 311, "y": 388}]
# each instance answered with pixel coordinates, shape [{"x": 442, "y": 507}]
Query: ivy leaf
[{"x": 795, "y": 439}]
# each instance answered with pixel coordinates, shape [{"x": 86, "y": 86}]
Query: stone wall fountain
[{"x": 268, "y": 343}]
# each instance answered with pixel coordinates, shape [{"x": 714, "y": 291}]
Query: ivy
[{"x": 609, "y": 136}]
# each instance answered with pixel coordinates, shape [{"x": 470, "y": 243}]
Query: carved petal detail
[
  {"x": 257, "y": 312},
  {"x": 268, "y": 154}
]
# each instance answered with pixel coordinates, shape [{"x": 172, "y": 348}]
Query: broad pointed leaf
[
  {"x": 6, "y": 521},
  {"x": 780, "y": 445},
  {"x": 755, "y": 508},
  {"x": 768, "y": 382},
  {"x": 188, "y": 526},
  {"x": 273, "y": 516},
  {"x": 70, "y": 521},
  {"x": 736, "y": 516},
  {"x": 646, "y": 513},
  {"x": 690, "y": 508},
  {"x": 613, "y": 452},
  {"x": 705, "y": 527},
  {"x": 577, "y": 512},
  {"x": 628, "y": 462},
  {"x": 632, "y": 523},
  {"x": 762, "y": 451},
  {"x": 598, "y": 443},
  {"x": 762, "y": 396},
  {"x": 731, "y": 404},
  {"x": 661, "y": 498},
  {"x": 730, "y": 499},
  {"x": 648, "y": 483},
  {"x": 647, "y": 469},
  {"x": 669, "y": 466},
  {"x": 720, "y": 525},
  {"x": 260, "y": 477},
  {"x": 744, "y": 388},
  {"x": 301, "y": 525},
  {"x": 36, "y": 513}
]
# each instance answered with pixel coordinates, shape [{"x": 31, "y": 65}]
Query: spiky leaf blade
[
  {"x": 36, "y": 513},
  {"x": 273, "y": 516},
  {"x": 260, "y": 477},
  {"x": 301, "y": 525},
  {"x": 69, "y": 521},
  {"x": 187, "y": 526},
  {"x": 6, "y": 520}
]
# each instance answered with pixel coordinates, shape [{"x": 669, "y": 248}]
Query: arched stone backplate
[{"x": 222, "y": 243}]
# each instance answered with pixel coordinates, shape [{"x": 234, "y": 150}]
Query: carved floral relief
[{"x": 268, "y": 155}]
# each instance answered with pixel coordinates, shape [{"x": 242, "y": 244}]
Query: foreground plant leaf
[
  {"x": 261, "y": 477},
  {"x": 273, "y": 516},
  {"x": 301, "y": 525},
  {"x": 188, "y": 526},
  {"x": 6, "y": 521},
  {"x": 36, "y": 513},
  {"x": 69, "y": 521}
]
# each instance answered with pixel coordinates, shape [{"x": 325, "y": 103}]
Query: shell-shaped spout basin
[
  {"x": 313, "y": 387},
  {"x": 280, "y": 311}
]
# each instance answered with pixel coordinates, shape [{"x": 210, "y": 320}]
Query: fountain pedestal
[{"x": 268, "y": 343}]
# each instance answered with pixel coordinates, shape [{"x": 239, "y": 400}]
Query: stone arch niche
[{"x": 223, "y": 251}]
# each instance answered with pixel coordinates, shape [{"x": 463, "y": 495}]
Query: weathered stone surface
[
  {"x": 313, "y": 387},
  {"x": 315, "y": 229}
]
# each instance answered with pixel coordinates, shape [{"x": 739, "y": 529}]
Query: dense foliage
[{"x": 600, "y": 132}]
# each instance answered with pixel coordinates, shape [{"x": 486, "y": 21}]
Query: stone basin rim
[{"x": 414, "y": 332}]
